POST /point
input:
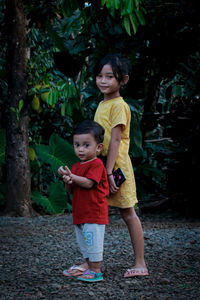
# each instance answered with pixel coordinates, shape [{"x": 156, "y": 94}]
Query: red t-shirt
[{"x": 91, "y": 205}]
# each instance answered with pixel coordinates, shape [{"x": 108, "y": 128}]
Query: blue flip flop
[{"x": 90, "y": 276}]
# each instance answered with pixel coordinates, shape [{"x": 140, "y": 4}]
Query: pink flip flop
[
  {"x": 136, "y": 272},
  {"x": 74, "y": 271}
]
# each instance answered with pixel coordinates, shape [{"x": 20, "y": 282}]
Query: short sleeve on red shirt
[{"x": 95, "y": 173}]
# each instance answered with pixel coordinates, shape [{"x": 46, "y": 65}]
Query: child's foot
[
  {"x": 90, "y": 276},
  {"x": 136, "y": 272},
  {"x": 75, "y": 270}
]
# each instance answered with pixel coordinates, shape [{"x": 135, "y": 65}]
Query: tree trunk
[{"x": 18, "y": 202}]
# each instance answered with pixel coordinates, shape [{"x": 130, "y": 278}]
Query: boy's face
[{"x": 86, "y": 147}]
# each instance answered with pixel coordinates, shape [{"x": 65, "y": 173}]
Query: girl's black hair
[
  {"x": 92, "y": 127},
  {"x": 119, "y": 64}
]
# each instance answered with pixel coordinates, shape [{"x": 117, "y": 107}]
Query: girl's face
[{"x": 107, "y": 83}]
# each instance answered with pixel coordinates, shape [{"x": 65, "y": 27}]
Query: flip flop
[
  {"x": 90, "y": 276},
  {"x": 136, "y": 272},
  {"x": 74, "y": 271}
]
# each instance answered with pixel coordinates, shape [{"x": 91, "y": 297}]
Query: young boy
[{"x": 88, "y": 182}]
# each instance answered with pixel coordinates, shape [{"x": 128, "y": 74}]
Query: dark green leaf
[
  {"x": 140, "y": 17},
  {"x": 43, "y": 201},
  {"x": 134, "y": 22},
  {"x": 126, "y": 23},
  {"x": 58, "y": 197}
]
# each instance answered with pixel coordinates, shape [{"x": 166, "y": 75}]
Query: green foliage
[
  {"x": 66, "y": 38},
  {"x": 78, "y": 35},
  {"x": 57, "y": 200},
  {"x": 150, "y": 180},
  {"x": 39, "y": 199},
  {"x": 190, "y": 71},
  {"x": 41, "y": 63},
  {"x": 17, "y": 111},
  {"x": 58, "y": 153},
  {"x": 136, "y": 148},
  {"x": 151, "y": 172},
  {"x": 136, "y": 134},
  {"x": 68, "y": 7},
  {"x": 130, "y": 10}
]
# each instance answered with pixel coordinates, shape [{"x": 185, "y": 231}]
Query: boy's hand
[
  {"x": 62, "y": 171},
  {"x": 67, "y": 179},
  {"x": 67, "y": 171},
  {"x": 66, "y": 174}
]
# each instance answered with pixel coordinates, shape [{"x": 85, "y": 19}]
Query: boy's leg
[
  {"x": 94, "y": 240},
  {"x": 81, "y": 242},
  {"x": 79, "y": 269},
  {"x": 95, "y": 266},
  {"x": 136, "y": 233}
]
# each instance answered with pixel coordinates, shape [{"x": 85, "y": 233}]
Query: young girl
[{"x": 114, "y": 115}]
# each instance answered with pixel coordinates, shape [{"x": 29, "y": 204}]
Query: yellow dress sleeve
[{"x": 118, "y": 115}]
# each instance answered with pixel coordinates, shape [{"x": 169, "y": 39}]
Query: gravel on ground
[{"x": 35, "y": 251}]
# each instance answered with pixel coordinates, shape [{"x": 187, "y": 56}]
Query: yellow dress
[{"x": 110, "y": 114}]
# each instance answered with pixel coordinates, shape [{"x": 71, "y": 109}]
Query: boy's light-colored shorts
[{"x": 90, "y": 238}]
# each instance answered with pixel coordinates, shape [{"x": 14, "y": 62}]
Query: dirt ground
[{"x": 34, "y": 252}]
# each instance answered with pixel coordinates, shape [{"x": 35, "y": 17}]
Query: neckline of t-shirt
[
  {"x": 114, "y": 99},
  {"x": 84, "y": 163}
]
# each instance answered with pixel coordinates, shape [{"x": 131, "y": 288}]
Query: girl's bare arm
[{"x": 113, "y": 150}]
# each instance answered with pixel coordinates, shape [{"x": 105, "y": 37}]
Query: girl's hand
[{"x": 113, "y": 187}]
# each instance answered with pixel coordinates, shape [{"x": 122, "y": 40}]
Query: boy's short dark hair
[{"x": 89, "y": 126}]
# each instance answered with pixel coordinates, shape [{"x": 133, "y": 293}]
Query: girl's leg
[{"x": 137, "y": 239}]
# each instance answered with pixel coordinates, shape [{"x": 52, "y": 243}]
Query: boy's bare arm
[
  {"x": 68, "y": 183},
  {"x": 68, "y": 188},
  {"x": 78, "y": 180},
  {"x": 61, "y": 171},
  {"x": 82, "y": 181},
  {"x": 65, "y": 173}
]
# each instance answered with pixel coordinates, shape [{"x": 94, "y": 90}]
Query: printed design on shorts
[{"x": 88, "y": 237}]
